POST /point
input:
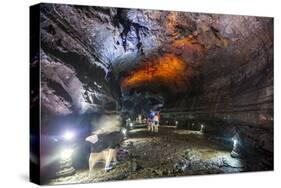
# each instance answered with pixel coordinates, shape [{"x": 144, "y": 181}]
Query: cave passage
[
  {"x": 205, "y": 81},
  {"x": 172, "y": 152}
]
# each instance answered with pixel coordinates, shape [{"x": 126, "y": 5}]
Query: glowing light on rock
[
  {"x": 168, "y": 70},
  {"x": 173, "y": 69}
]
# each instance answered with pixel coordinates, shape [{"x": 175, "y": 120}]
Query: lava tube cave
[{"x": 191, "y": 92}]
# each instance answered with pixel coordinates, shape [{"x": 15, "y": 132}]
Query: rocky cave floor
[{"x": 171, "y": 152}]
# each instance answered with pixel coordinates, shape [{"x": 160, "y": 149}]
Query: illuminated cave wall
[{"x": 214, "y": 68}]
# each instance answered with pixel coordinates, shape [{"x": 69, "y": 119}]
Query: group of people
[{"x": 153, "y": 121}]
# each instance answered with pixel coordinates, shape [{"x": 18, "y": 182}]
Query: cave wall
[
  {"x": 237, "y": 81},
  {"x": 88, "y": 52},
  {"x": 236, "y": 92},
  {"x": 75, "y": 61}
]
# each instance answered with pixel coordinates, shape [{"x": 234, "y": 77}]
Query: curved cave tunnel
[{"x": 210, "y": 76}]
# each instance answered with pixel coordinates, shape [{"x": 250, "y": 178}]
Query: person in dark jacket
[{"x": 104, "y": 146}]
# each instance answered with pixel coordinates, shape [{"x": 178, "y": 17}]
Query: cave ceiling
[{"x": 110, "y": 53}]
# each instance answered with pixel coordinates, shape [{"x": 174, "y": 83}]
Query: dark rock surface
[
  {"x": 170, "y": 153},
  {"x": 93, "y": 60}
]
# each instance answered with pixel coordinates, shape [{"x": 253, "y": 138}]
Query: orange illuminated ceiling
[
  {"x": 172, "y": 68},
  {"x": 168, "y": 70}
]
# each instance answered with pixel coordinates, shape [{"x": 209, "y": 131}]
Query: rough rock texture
[
  {"x": 72, "y": 64},
  {"x": 171, "y": 153},
  {"x": 220, "y": 67}
]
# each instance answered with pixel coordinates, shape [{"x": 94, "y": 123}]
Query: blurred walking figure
[
  {"x": 156, "y": 120},
  {"x": 105, "y": 142},
  {"x": 129, "y": 123},
  {"x": 139, "y": 119},
  {"x": 150, "y": 121},
  {"x": 104, "y": 147}
]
